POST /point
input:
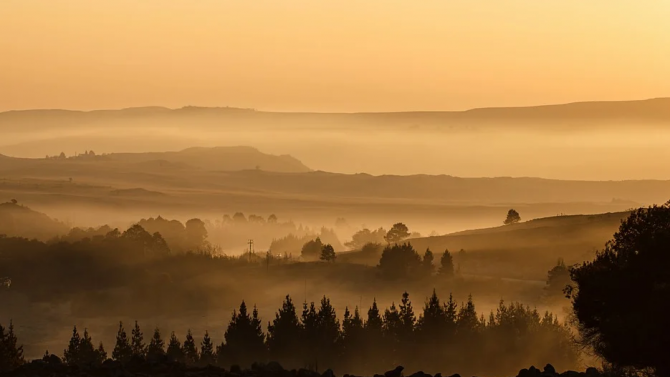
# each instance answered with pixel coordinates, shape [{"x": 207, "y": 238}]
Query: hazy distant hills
[
  {"x": 652, "y": 110},
  {"x": 210, "y": 159},
  {"x": 20, "y": 221}
]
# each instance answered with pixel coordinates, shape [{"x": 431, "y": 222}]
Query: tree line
[{"x": 444, "y": 336}]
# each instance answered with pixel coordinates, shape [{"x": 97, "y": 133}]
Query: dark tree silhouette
[
  {"x": 512, "y": 217},
  {"x": 206, "y": 351},
  {"x": 352, "y": 339},
  {"x": 137, "y": 342},
  {"x": 190, "y": 350},
  {"x": 400, "y": 261},
  {"x": 558, "y": 278},
  {"x": 272, "y": 219},
  {"x": 11, "y": 354},
  {"x": 634, "y": 265},
  {"x": 427, "y": 262},
  {"x": 81, "y": 352},
  {"x": 312, "y": 249},
  {"x": 447, "y": 264},
  {"x": 284, "y": 334},
  {"x": 175, "y": 352},
  {"x": 245, "y": 341},
  {"x": 122, "y": 352},
  {"x": 156, "y": 348},
  {"x": 328, "y": 253},
  {"x": 397, "y": 233}
]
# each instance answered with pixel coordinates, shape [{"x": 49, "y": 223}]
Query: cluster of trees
[
  {"x": 444, "y": 336},
  {"x": 11, "y": 353},
  {"x": 315, "y": 249},
  {"x": 400, "y": 261}
]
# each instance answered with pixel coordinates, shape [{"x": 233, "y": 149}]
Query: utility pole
[{"x": 251, "y": 245}]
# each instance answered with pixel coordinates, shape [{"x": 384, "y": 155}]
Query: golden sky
[{"x": 330, "y": 55}]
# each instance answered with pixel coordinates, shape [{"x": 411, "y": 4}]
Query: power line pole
[{"x": 251, "y": 245}]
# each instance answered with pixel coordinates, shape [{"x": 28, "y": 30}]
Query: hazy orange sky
[{"x": 344, "y": 55}]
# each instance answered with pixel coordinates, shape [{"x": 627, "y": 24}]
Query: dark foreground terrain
[{"x": 53, "y": 367}]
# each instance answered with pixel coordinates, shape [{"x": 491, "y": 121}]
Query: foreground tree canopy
[{"x": 618, "y": 296}]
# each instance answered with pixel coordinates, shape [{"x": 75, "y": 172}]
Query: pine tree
[
  {"x": 174, "y": 350},
  {"x": 206, "y": 351},
  {"x": 352, "y": 338},
  {"x": 447, "y": 264},
  {"x": 245, "y": 341},
  {"x": 87, "y": 351},
  {"x": 122, "y": 351},
  {"x": 137, "y": 342},
  {"x": 375, "y": 356},
  {"x": 156, "y": 349},
  {"x": 190, "y": 350},
  {"x": 310, "y": 325},
  {"x": 468, "y": 321},
  {"x": 284, "y": 335},
  {"x": 11, "y": 354},
  {"x": 71, "y": 354},
  {"x": 407, "y": 318},
  {"x": 101, "y": 354},
  {"x": 329, "y": 331},
  {"x": 391, "y": 331},
  {"x": 427, "y": 262}
]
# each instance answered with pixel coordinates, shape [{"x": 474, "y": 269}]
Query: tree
[
  {"x": 11, "y": 354},
  {"x": 156, "y": 348},
  {"x": 427, "y": 262},
  {"x": 81, "y": 352},
  {"x": 512, "y": 217},
  {"x": 366, "y": 236},
  {"x": 272, "y": 219},
  {"x": 400, "y": 261},
  {"x": 284, "y": 335},
  {"x": 352, "y": 339},
  {"x": 122, "y": 352},
  {"x": 329, "y": 332},
  {"x": 397, "y": 233},
  {"x": 174, "y": 350},
  {"x": 245, "y": 341},
  {"x": 196, "y": 234},
  {"x": 137, "y": 342},
  {"x": 206, "y": 351},
  {"x": 328, "y": 253},
  {"x": 634, "y": 266},
  {"x": 191, "y": 356},
  {"x": 558, "y": 278},
  {"x": 446, "y": 264},
  {"x": 312, "y": 249}
]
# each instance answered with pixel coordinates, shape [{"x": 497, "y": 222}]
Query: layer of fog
[{"x": 598, "y": 154}]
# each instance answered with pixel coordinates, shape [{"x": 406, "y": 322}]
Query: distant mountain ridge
[
  {"x": 650, "y": 110},
  {"x": 211, "y": 159}
]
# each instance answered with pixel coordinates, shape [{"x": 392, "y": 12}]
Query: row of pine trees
[{"x": 445, "y": 336}]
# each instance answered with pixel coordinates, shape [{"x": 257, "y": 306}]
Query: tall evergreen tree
[
  {"x": 156, "y": 348},
  {"x": 374, "y": 352},
  {"x": 407, "y": 319},
  {"x": 245, "y": 341},
  {"x": 11, "y": 354},
  {"x": 310, "y": 325},
  {"x": 207, "y": 351},
  {"x": 352, "y": 339},
  {"x": 468, "y": 322},
  {"x": 284, "y": 334},
  {"x": 427, "y": 262},
  {"x": 81, "y": 352},
  {"x": 71, "y": 354},
  {"x": 175, "y": 352},
  {"x": 447, "y": 264},
  {"x": 329, "y": 331},
  {"x": 190, "y": 350},
  {"x": 122, "y": 352},
  {"x": 137, "y": 342}
]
